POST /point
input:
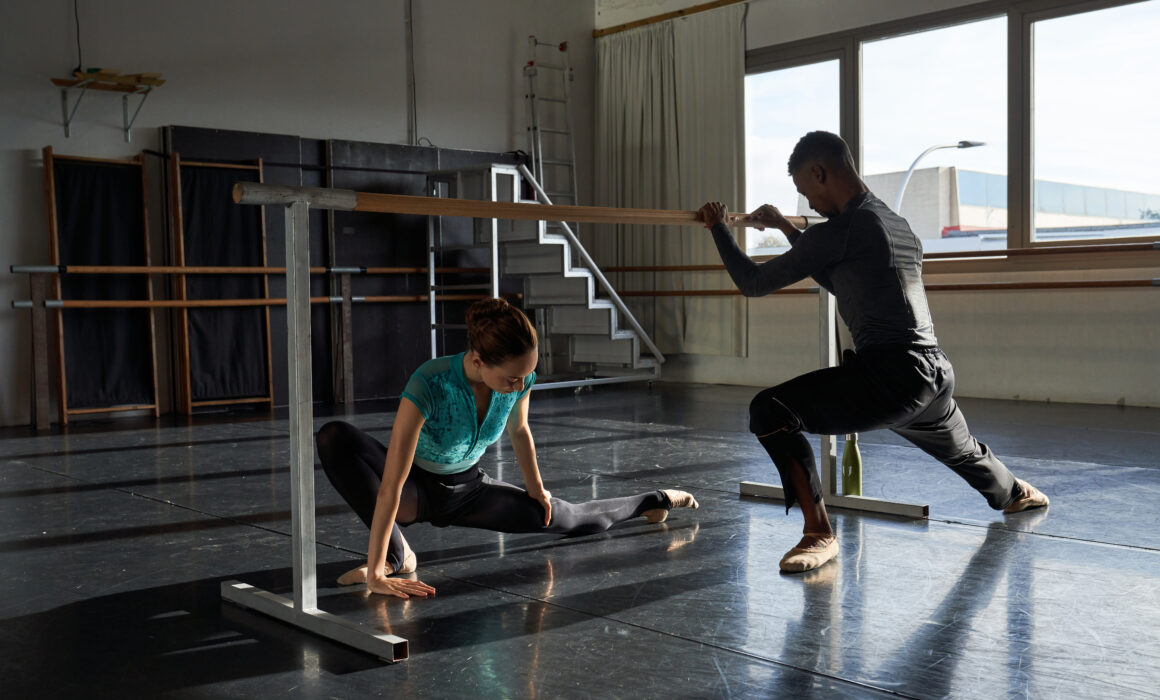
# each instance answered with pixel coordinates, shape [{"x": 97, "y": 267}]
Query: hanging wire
[
  {"x": 77, "y": 21},
  {"x": 412, "y": 112}
]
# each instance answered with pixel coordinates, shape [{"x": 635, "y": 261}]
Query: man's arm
[{"x": 755, "y": 280}]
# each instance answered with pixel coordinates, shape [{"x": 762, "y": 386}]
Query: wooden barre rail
[
  {"x": 225, "y": 270},
  {"x": 949, "y": 287},
  {"x": 1049, "y": 250},
  {"x": 218, "y": 303},
  {"x": 1054, "y": 250},
  {"x": 347, "y": 200}
]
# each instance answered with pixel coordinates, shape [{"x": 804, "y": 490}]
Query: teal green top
[{"x": 452, "y": 440}]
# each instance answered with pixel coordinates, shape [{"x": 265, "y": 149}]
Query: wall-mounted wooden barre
[
  {"x": 218, "y": 303},
  {"x": 1049, "y": 250},
  {"x": 964, "y": 287},
  {"x": 219, "y": 270},
  {"x": 1008, "y": 252},
  {"x": 348, "y": 200}
]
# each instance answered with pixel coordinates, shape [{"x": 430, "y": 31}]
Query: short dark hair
[
  {"x": 822, "y": 146},
  {"x": 496, "y": 330}
]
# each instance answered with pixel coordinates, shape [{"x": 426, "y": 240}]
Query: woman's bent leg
[{"x": 354, "y": 462}]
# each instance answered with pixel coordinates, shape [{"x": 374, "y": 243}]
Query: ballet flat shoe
[
  {"x": 1031, "y": 498},
  {"x": 798, "y": 559},
  {"x": 678, "y": 499}
]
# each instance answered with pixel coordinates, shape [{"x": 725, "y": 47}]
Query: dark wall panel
[
  {"x": 390, "y": 340},
  {"x": 227, "y": 347},
  {"x": 100, "y": 221}
]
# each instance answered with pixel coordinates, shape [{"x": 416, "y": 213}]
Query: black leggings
[
  {"x": 907, "y": 390},
  {"x": 354, "y": 462}
]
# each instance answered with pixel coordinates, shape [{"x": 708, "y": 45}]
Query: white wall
[
  {"x": 312, "y": 69},
  {"x": 1074, "y": 346}
]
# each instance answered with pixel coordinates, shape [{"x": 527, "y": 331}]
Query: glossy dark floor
[{"x": 114, "y": 537}]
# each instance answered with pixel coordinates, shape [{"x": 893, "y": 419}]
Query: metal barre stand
[
  {"x": 303, "y": 611},
  {"x": 828, "y": 459}
]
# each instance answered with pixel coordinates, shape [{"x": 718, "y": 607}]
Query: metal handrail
[{"x": 620, "y": 305}]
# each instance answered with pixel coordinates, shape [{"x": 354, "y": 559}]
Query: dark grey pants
[
  {"x": 905, "y": 389},
  {"x": 354, "y": 462}
]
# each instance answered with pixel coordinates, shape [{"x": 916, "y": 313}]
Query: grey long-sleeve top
[{"x": 867, "y": 257}]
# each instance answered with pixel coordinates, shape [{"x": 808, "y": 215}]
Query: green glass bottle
[{"x": 851, "y": 467}]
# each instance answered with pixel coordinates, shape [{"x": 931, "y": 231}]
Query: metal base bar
[
  {"x": 870, "y": 505},
  {"x": 387, "y": 647},
  {"x": 573, "y": 383}
]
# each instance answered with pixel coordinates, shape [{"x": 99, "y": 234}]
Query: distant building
[{"x": 955, "y": 209}]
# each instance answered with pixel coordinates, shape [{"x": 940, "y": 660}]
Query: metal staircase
[{"x": 586, "y": 339}]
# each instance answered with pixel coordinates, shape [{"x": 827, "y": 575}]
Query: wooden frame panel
[
  {"x": 185, "y": 400},
  {"x": 57, "y": 326}
]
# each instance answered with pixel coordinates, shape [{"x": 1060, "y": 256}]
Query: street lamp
[{"x": 906, "y": 177}]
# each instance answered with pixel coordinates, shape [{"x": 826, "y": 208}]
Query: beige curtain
[{"x": 670, "y": 135}]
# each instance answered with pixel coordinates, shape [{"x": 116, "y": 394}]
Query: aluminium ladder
[
  {"x": 550, "y": 142},
  {"x": 551, "y": 147}
]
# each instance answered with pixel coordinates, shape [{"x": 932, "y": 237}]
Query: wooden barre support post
[{"x": 347, "y": 200}]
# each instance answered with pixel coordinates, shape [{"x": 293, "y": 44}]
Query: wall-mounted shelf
[{"x": 106, "y": 81}]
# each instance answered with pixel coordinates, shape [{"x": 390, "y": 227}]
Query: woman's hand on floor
[
  {"x": 399, "y": 587},
  {"x": 544, "y": 498}
]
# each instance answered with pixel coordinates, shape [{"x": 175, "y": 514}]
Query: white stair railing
[{"x": 604, "y": 283}]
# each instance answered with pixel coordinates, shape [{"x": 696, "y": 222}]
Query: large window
[
  {"x": 929, "y": 99},
  {"x": 930, "y": 119},
  {"x": 1096, "y": 125},
  {"x": 781, "y": 106}
]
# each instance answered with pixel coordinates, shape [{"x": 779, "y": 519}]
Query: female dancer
[{"x": 453, "y": 408}]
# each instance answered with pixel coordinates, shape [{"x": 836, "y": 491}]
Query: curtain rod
[{"x": 597, "y": 33}]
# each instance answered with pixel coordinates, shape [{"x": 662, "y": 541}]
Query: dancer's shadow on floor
[{"x": 926, "y": 662}]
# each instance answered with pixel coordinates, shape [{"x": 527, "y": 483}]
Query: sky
[{"x": 1096, "y": 103}]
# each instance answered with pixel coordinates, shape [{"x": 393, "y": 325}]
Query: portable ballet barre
[{"x": 302, "y": 610}]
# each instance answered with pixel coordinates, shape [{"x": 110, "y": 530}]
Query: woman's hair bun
[
  {"x": 496, "y": 330},
  {"x": 487, "y": 309}
]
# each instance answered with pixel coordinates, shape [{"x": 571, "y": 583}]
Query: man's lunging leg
[{"x": 778, "y": 430}]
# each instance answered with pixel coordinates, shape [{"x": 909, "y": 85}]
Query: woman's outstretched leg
[
  {"x": 503, "y": 507},
  {"x": 354, "y": 462}
]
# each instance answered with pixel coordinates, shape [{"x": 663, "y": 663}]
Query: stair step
[
  {"x": 604, "y": 350},
  {"x": 535, "y": 259},
  {"x": 548, "y": 291},
  {"x": 509, "y": 230},
  {"x": 582, "y": 320}
]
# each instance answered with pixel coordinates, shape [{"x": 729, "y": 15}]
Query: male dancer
[{"x": 898, "y": 378}]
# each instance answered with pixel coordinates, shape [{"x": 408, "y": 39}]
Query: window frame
[{"x": 846, "y": 46}]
